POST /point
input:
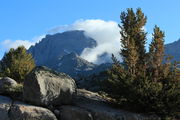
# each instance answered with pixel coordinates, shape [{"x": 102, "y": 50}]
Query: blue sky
[{"x": 26, "y": 19}]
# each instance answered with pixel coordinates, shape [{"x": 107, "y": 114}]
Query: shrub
[{"x": 16, "y": 64}]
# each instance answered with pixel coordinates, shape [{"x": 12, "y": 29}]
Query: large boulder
[
  {"x": 99, "y": 108},
  {"x": 74, "y": 113},
  {"x": 46, "y": 87},
  {"x": 22, "y": 111},
  {"x": 6, "y": 83},
  {"x": 5, "y": 104}
]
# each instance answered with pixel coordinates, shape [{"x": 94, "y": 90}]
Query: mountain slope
[
  {"x": 173, "y": 49},
  {"x": 50, "y": 48},
  {"x": 61, "y": 52},
  {"x": 74, "y": 65}
]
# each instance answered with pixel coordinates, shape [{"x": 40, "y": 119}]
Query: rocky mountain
[
  {"x": 173, "y": 50},
  {"x": 52, "y": 47},
  {"x": 74, "y": 65},
  {"x": 61, "y": 52}
]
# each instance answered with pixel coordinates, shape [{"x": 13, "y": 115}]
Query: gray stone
[
  {"x": 22, "y": 111},
  {"x": 5, "y": 83},
  {"x": 5, "y": 104},
  {"x": 46, "y": 87},
  {"x": 101, "y": 110},
  {"x": 74, "y": 113},
  {"x": 88, "y": 95}
]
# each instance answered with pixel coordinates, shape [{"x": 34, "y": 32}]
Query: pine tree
[
  {"x": 144, "y": 82},
  {"x": 156, "y": 52},
  {"x": 133, "y": 39},
  {"x": 17, "y": 63}
]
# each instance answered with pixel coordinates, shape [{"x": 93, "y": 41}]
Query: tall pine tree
[
  {"x": 156, "y": 52},
  {"x": 143, "y": 82},
  {"x": 133, "y": 39}
]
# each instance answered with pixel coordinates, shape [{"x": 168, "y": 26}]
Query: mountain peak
[
  {"x": 70, "y": 32},
  {"x": 52, "y": 47}
]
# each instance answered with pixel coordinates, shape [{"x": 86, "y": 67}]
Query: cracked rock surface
[
  {"x": 44, "y": 87},
  {"x": 5, "y": 104},
  {"x": 10, "y": 110}
]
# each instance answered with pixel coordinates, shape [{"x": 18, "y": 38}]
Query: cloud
[
  {"x": 106, "y": 34},
  {"x": 8, "y": 43},
  {"x": 14, "y": 44}
]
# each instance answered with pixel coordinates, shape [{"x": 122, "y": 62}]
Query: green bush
[{"x": 16, "y": 64}]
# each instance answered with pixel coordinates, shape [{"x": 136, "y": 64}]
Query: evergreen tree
[
  {"x": 17, "y": 63},
  {"x": 156, "y": 52},
  {"x": 133, "y": 39},
  {"x": 144, "y": 82}
]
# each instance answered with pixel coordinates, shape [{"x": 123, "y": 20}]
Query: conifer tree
[
  {"x": 156, "y": 52},
  {"x": 17, "y": 63},
  {"x": 144, "y": 82},
  {"x": 133, "y": 39}
]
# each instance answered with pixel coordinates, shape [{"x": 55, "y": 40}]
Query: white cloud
[
  {"x": 106, "y": 34},
  {"x": 14, "y": 44},
  {"x": 9, "y": 43}
]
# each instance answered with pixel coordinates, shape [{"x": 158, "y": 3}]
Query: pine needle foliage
[
  {"x": 17, "y": 63},
  {"x": 145, "y": 82}
]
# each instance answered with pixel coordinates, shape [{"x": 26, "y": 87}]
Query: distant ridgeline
[
  {"x": 62, "y": 51},
  {"x": 173, "y": 49}
]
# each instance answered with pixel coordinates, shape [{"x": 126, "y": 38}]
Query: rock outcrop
[
  {"x": 46, "y": 87},
  {"x": 5, "y": 104},
  {"x": 10, "y": 110},
  {"x": 22, "y": 111},
  {"x": 100, "y": 110},
  {"x": 74, "y": 113},
  {"x": 53, "y": 96}
]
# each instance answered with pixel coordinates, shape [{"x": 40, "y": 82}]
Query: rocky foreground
[{"x": 48, "y": 95}]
